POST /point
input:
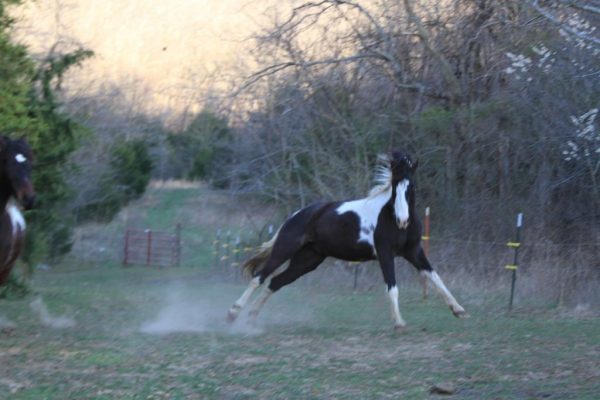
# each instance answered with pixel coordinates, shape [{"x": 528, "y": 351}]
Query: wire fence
[{"x": 556, "y": 273}]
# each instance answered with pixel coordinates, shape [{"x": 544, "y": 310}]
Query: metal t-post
[{"x": 515, "y": 245}]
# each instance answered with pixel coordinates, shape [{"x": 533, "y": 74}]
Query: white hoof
[
  {"x": 233, "y": 313},
  {"x": 460, "y": 313}
]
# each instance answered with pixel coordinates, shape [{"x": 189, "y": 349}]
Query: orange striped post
[{"x": 425, "y": 240}]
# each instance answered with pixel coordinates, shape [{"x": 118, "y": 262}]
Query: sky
[{"x": 171, "y": 48}]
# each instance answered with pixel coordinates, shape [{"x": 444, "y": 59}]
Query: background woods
[
  {"x": 171, "y": 138},
  {"x": 497, "y": 99},
  {"x": 491, "y": 96}
]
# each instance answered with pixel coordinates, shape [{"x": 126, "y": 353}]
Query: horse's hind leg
[
  {"x": 235, "y": 309},
  {"x": 273, "y": 262},
  {"x": 419, "y": 260},
  {"x": 304, "y": 261},
  {"x": 286, "y": 245}
]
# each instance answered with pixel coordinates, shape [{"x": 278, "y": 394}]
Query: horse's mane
[{"x": 382, "y": 176}]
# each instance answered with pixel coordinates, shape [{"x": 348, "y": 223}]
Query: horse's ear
[{"x": 415, "y": 164}]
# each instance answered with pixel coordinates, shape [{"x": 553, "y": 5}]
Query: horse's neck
[
  {"x": 5, "y": 196},
  {"x": 411, "y": 201},
  {"x": 378, "y": 199}
]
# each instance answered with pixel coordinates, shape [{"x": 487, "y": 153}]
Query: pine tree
[{"x": 29, "y": 108}]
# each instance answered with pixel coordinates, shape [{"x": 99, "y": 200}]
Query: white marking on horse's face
[
  {"x": 20, "y": 158},
  {"x": 16, "y": 218},
  {"x": 401, "y": 205},
  {"x": 368, "y": 210}
]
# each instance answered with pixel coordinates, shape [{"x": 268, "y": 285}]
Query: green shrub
[
  {"x": 125, "y": 180},
  {"x": 203, "y": 150}
]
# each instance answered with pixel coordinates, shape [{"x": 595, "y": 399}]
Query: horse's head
[
  {"x": 402, "y": 166},
  {"x": 403, "y": 169},
  {"x": 15, "y": 169}
]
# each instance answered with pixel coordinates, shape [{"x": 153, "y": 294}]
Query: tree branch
[{"x": 550, "y": 17}]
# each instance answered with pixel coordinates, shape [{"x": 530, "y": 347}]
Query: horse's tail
[{"x": 252, "y": 265}]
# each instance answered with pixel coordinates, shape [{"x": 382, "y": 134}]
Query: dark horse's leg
[
  {"x": 418, "y": 259},
  {"x": 4, "y": 274},
  {"x": 287, "y": 242},
  {"x": 304, "y": 261},
  {"x": 386, "y": 262}
]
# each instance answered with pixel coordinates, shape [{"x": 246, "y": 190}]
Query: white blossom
[
  {"x": 520, "y": 64},
  {"x": 587, "y": 138},
  {"x": 546, "y": 57},
  {"x": 579, "y": 25}
]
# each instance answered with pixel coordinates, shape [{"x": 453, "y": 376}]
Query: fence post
[
  {"x": 177, "y": 244},
  {"x": 216, "y": 251},
  {"x": 236, "y": 250},
  {"x": 425, "y": 239},
  {"x": 227, "y": 246},
  {"x": 356, "y": 265},
  {"x": 513, "y": 267},
  {"x": 126, "y": 252},
  {"x": 149, "y": 247}
]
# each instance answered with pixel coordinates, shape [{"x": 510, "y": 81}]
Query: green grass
[
  {"x": 203, "y": 214},
  {"x": 170, "y": 206},
  {"x": 149, "y": 333},
  {"x": 309, "y": 343}
]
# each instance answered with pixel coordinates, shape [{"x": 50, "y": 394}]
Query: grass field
[
  {"x": 141, "y": 333},
  {"x": 94, "y": 330}
]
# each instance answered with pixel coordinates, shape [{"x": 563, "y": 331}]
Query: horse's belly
[
  {"x": 342, "y": 237},
  {"x": 358, "y": 251}
]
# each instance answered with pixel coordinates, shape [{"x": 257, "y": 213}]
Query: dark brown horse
[
  {"x": 15, "y": 189},
  {"x": 378, "y": 227}
]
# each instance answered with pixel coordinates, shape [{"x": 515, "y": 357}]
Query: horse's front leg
[
  {"x": 418, "y": 259},
  {"x": 386, "y": 262}
]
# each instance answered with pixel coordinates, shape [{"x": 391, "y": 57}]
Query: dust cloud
[
  {"x": 185, "y": 312},
  {"x": 39, "y": 307},
  {"x": 204, "y": 311},
  {"x": 6, "y": 323}
]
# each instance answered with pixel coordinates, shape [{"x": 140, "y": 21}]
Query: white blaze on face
[
  {"x": 20, "y": 158},
  {"x": 368, "y": 210},
  {"x": 401, "y": 205}
]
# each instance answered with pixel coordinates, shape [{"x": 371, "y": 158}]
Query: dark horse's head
[
  {"x": 15, "y": 171},
  {"x": 402, "y": 166},
  {"x": 403, "y": 169}
]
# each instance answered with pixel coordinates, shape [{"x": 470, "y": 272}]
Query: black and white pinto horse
[
  {"x": 15, "y": 188},
  {"x": 378, "y": 227}
]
